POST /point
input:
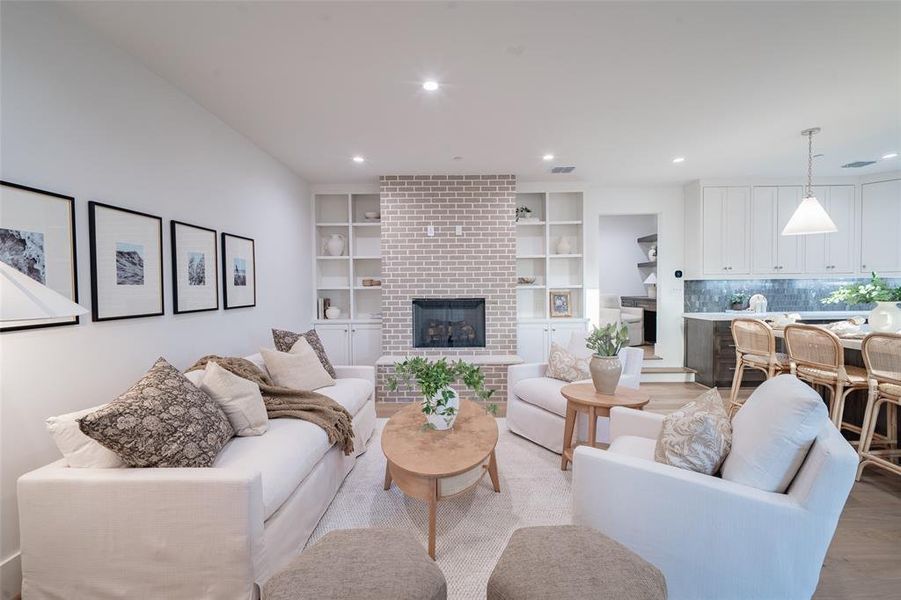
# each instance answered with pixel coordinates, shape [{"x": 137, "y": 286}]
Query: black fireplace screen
[{"x": 449, "y": 323}]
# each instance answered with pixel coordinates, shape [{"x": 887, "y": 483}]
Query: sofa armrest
[
  {"x": 113, "y": 532},
  {"x": 355, "y": 371},
  {"x": 606, "y": 316},
  {"x": 628, "y": 421}
]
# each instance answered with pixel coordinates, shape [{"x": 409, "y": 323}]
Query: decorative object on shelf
[
  {"x": 564, "y": 246},
  {"x": 758, "y": 303},
  {"x": 332, "y": 312},
  {"x": 126, "y": 263},
  {"x": 651, "y": 283},
  {"x": 605, "y": 366},
  {"x": 37, "y": 239},
  {"x": 737, "y": 300},
  {"x": 525, "y": 280},
  {"x": 440, "y": 402},
  {"x": 334, "y": 245},
  {"x": 652, "y": 253},
  {"x": 368, "y": 282},
  {"x": 810, "y": 217},
  {"x": 195, "y": 268},
  {"x": 561, "y": 304},
  {"x": 371, "y": 216},
  {"x": 239, "y": 273},
  {"x": 886, "y": 316},
  {"x": 523, "y": 214}
]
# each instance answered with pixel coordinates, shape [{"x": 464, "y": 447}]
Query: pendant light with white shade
[{"x": 810, "y": 217}]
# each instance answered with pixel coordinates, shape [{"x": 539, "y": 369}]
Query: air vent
[
  {"x": 563, "y": 169},
  {"x": 858, "y": 164}
]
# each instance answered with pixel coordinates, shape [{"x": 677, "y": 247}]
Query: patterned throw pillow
[
  {"x": 285, "y": 340},
  {"x": 697, "y": 437},
  {"x": 563, "y": 364},
  {"x": 162, "y": 421}
]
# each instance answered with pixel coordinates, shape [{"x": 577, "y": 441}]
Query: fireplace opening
[{"x": 449, "y": 323}]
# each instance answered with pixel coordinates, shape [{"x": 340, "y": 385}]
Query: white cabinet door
[
  {"x": 789, "y": 248},
  {"x": 561, "y": 332},
  {"x": 336, "y": 341},
  {"x": 712, "y": 230},
  {"x": 366, "y": 343},
  {"x": 829, "y": 253},
  {"x": 763, "y": 230},
  {"x": 532, "y": 342},
  {"x": 880, "y": 230},
  {"x": 726, "y": 231}
]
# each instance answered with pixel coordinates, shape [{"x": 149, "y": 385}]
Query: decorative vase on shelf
[
  {"x": 332, "y": 312},
  {"x": 563, "y": 246},
  {"x": 652, "y": 253},
  {"x": 886, "y": 317},
  {"x": 438, "y": 419},
  {"x": 334, "y": 245},
  {"x": 605, "y": 373}
]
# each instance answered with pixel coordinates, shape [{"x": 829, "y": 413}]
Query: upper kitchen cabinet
[
  {"x": 829, "y": 253},
  {"x": 880, "y": 228},
  {"x": 725, "y": 213},
  {"x": 772, "y": 252}
]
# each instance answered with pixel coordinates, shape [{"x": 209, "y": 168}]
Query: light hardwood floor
[{"x": 864, "y": 560}]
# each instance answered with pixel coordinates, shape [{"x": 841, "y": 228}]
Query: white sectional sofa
[{"x": 213, "y": 533}]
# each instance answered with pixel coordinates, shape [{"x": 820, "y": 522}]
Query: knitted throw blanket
[{"x": 296, "y": 404}]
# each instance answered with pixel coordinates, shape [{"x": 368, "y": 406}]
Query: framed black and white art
[
  {"x": 37, "y": 238},
  {"x": 126, "y": 263},
  {"x": 195, "y": 272},
  {"x": 239, "y": 276}
]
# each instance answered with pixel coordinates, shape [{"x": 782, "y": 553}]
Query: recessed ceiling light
[
  {"x": 889, "y": 155},
  {"x": 359, "y": 159},
  {"x": 679, "y": 159},
  {"x": 547, "y": 157},
  {"x": 430, "y": 85}
]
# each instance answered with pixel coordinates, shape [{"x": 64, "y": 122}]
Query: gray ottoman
[
  {"x": 570, "y": 563},
  {"x": 360, "y": 564}
]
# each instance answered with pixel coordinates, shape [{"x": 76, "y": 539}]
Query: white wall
[
  {"x": 81, "y": 118},
  {"x": 618, "y": 253}
]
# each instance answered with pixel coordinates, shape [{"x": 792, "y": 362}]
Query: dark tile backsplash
[{"x": 781, "y": 294}]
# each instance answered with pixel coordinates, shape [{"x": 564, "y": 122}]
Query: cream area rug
[{"x": 473, "y": 527}]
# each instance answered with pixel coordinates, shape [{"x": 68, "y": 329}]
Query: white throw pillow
[
  {"x": 299, "y": 369},
  {"x": 696, "y": 437},
  {"x": 79, "y": 450},
  {"x": 566, "y": 366},
  {"x": 772, "y": 433},
  {"x": 239, "y": 398}
]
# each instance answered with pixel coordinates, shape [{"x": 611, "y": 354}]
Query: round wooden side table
[{"x": 582, "y": 397}]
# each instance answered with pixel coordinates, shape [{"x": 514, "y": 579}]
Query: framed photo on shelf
[
  {"x": 126, "y": 263},
  {"x": 37, "y": 238},
  {"x": 239, "y": 284},
  {"x": 195, "y": 268},
  {"x": 561, "y": 304}
]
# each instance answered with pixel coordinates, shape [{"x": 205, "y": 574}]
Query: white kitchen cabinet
[
  {"x": 725, "y": 230},
  {"x": 880, "y": 230},
  {"x": 833, "y": 253},
  {"x": 771, "y": 252},
  {"x": 350, "y": 343},
  {"x": 534, "y": 338}
]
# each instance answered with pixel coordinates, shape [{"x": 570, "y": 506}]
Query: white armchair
[
  {"x": 612, "y": 311},
  {"x": 713, "y": 538}
]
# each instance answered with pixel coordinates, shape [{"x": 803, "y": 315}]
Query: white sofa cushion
[
  {"x": 543, "y": 392},
  {"x": 351, "y": 393},
  {"x": 239, "y": 398},
  {"x": 565, "y": 365},
  {"x": 79, "y": 450},
  {"x": 772, "y": 433},
  {"x": 635, "y": 446}
]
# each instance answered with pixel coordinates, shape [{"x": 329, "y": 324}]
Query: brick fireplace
[{"x": 471, "y": 254}]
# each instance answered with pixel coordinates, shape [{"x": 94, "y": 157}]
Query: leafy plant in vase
[
  {"x": 737, "y": 301},
  {"x": 440, "y": 402},
  {"x": 886, "y": 316},
  {"x": 605, "y": 366}
]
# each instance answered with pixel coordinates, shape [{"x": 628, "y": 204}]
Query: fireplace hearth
[{"x": 449, "y": 323}]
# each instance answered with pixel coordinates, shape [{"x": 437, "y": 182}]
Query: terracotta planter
[{"x": 605, "y": 372}]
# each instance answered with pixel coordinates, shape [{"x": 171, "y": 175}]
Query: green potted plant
[
  {"x": 737, "y": 301},
  {"x": 885, "y": 316},
  {"x": 605, "y": 366},
  {"x": 440, "y": 402}
]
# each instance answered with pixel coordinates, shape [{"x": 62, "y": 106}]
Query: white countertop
[{"x": 806, "y": 315}]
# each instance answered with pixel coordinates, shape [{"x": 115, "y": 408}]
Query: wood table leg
[
  {"x": 568, "y": 434},
  {"x": 492, "y": 472},
  {"x": 387, "y": 476},
  {"x": 592, "y": 426},
  {"x": 433, "y": 508}
]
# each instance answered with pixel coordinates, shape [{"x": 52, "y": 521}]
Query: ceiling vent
[
  {"x": 858, "y": 164},
  {"x": 563, "y": 169}
]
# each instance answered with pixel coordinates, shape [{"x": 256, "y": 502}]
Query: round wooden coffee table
[
  {"x": 431, "y": 465},
  {"x": 582, "y": 397}
]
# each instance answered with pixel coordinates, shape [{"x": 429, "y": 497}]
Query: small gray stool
[
  {"x": 572, "y": 563},
  {"x": 360, "y": 564}
]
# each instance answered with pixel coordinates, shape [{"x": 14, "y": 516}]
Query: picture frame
[
  {"x": 195, "y": 268},
  {"x": 561, "y": 304},
  {"x": 239, "y": 273},
  {"x": 126, "y": 263},
  {"x": 37, "y": 237}
]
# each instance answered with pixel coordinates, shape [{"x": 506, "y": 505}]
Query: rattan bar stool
[
  {"x": 755, "y": 348},
  {"x": 817, "y": 357},
  {"x": 882, "y": 356}
]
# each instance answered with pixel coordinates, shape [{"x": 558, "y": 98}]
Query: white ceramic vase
[
  {"x": 886, "y": 317},
  {"x": 563, "y": 246},
  {"x": 334, "y": 246},
  {"x": 332, "y": 312},
  {"x": 439, "y": 420}
]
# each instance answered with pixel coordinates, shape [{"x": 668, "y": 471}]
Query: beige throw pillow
[
  {"x": 239, "y": 398},
  {"x": 565, "y": 365},
  {"x": 299, "y": 369},
  {"x": 697, "y": 437}
]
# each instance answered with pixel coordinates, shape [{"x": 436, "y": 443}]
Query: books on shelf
[{"x": 321, "y": 306}]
